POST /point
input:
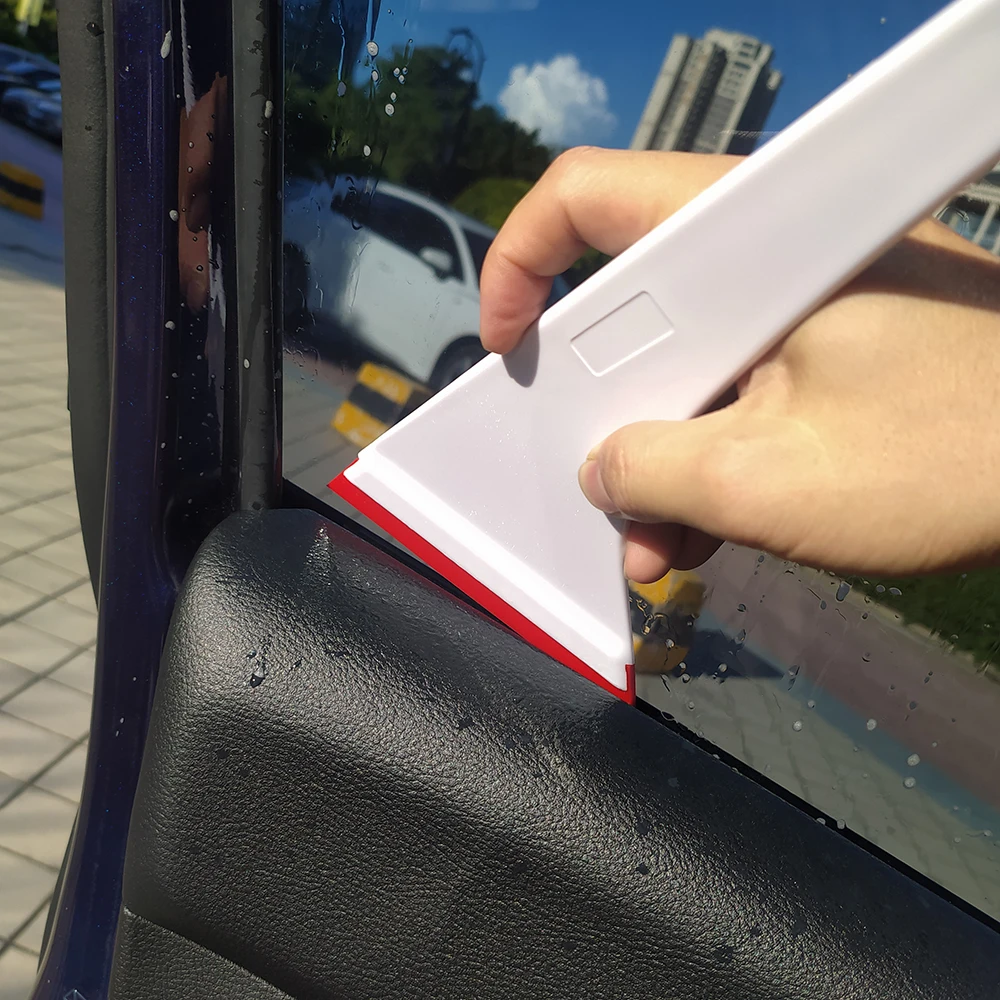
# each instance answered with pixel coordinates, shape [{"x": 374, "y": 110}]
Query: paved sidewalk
[{"x": 47, "y": 615}]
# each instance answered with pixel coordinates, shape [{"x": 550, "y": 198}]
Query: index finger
[{"x": 601, "y": 198}]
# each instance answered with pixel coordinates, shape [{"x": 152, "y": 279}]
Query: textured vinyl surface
[{"x": 356, "y": 787}]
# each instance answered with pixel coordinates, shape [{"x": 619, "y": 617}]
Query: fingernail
[{"x": 593, "y": 487}]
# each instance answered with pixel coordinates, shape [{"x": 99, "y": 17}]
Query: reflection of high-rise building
[
  {"x": 975, "y": 212},
  {"x": 712, "y": 95}
]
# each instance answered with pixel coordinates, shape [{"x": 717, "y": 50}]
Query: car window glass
[
  {"x": 479, "y": 245},
  {"x": 410, "y": 227},
  {"x": 874, "y": 701}
]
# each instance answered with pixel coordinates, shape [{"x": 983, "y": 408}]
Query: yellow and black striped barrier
[
  {"x": 663, "y": 617},
  {"x": 380, "y": 397},
  {"x": 21, "y": 190}
]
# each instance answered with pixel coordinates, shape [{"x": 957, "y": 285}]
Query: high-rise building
[{"x": 712, "y": 95}]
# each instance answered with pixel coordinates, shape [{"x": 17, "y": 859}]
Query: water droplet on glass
[
  {"x": 913, "y": 706},
  {"x": 822, "y": 605},
  {"x": 722, "y": 668},
  {"x": 870, "y": 725},
  {"x": 741, "y": 636},
  {"x": 867, "y": 657},
  {"x": 200, "y": 267},
  {"x": 390, "y": 110},
  {"x": 864, "y": 615},
  {"x": 913, "y": 759},
  {"x": 741, "y": 607},
  {"x": 691, "y": 705},
  {"x": 910, "y": 782},
  {"x": 686, "y": 678},
  {"x": 810, "y": 703},
  {"x": 392, "y": 96},
  {"x": 170, "y": 324},
  {"x": 268, "y": 111},
  {"x": 934, "y": 744},
  {"x": 880, "y": 589},
  {"x": 258, "y": 675},
  {"x": 246, "y": 362},
  {"x": 341, "y": 88},
  {"x": 843, "y": 590},
  {"x": 375, "y": 76},
  {"x": 760, "y": 558},
  {"x": 190, "y": 170},
  {"x": 669, "y": 643},
  {"x": 174, "y": 375},
  {"x": 895, "y": 591},
  {"x": 881, "y": 20},
  {"x": 165, "y": 46},
  {"x": 372, "y": 48},
  {"x": 958, "y": 840},
  {"x": 174, "y": 216},
  {"x": 841, "y": 824},
  {"x": 797, "y": 725}
]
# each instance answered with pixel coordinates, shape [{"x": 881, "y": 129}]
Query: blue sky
[{"x": 614, "y": 50}]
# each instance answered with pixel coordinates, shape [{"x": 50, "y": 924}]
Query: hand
[{"x": 868, "y": 441}]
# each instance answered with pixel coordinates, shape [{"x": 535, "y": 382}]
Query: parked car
[
  {"x": 31, "y": 72},
  {"x": 39, "y": 109},
  {"x": 367, "y": 260}
]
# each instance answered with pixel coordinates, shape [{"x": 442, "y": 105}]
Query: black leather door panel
[{"x": 356, "y": 787}]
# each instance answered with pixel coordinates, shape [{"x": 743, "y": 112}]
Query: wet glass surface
[{"x": 410, "y": 133}]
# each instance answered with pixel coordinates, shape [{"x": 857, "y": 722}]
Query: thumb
[{"x": 679, "y": 472}]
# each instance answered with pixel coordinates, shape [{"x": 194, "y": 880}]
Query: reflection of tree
[
  {"x": 327, "y": 132},
  {"x": 964, "y": 609},
  {"x": 321, "y": 35}
]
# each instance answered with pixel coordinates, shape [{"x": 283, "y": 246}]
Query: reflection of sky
[{"x": 599, "y": 95}]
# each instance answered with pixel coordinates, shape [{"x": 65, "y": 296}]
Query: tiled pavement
[{"x": 47, "y": 621}]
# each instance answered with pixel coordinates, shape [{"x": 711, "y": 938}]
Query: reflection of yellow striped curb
[
  {"x": 21, "y": 190},
  {"x": 378, "y": 399},
  {"x": 661, "y": 635}
]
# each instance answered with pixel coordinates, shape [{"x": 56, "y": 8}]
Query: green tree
[
  {"x": 41, "y": 39},
  {"x": 492, "y": 199},
  {"x": 434, "y": 137}
]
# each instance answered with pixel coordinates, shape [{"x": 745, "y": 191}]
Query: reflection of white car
[
  {"x": 394, "y": 270},
  {"x": 38, "y": 107}
]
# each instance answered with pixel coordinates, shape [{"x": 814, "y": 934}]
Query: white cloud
[{"x": 560, "y": 99}]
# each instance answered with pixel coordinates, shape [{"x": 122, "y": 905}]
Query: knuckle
[
  {"x": 568, "y": 164},
  {"x": 618, "y": 468}
]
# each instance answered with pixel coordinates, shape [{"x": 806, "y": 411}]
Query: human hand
[{"x": 868, "y": 441}]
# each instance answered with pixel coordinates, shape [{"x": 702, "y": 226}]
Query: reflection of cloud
[
  {"x": 560, "y": 99},
  {"x": 478, "y": 5}
]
